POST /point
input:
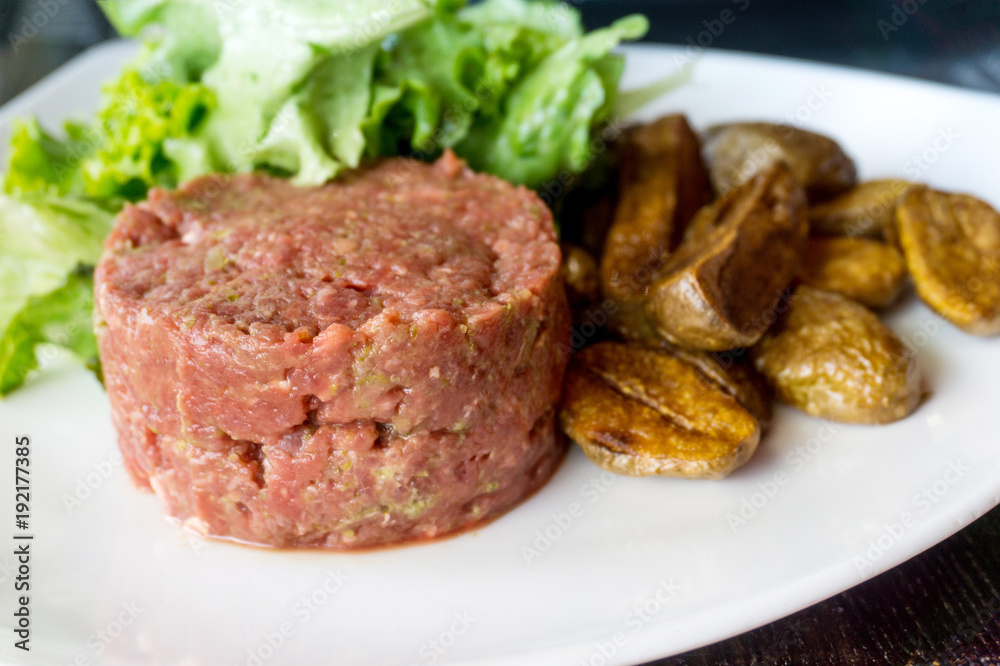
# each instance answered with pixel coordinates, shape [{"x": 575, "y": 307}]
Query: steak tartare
[{"x": 371, "y": 361}]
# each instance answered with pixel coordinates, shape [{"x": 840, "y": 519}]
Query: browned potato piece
[
  {"x": 640, "y": 412},
  {"x": 737, "y": 151},
  {"x": 736, "y": 376},
  {"x": 832, "y": 358},
  {"x": 867, "y": 271},
  {"x": 734, "y": 373},
  {"x": 579, "y": 271},
  {"x": 952, "y": 247},
  {"x": 662, "y": 184},
  {"x": 866, "y": 210},
  {"x": 738, "y": 256}
]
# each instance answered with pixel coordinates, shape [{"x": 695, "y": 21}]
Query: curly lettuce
[
  {"x": 61, "y": 317},
  {"x": 45, "y": 239}
]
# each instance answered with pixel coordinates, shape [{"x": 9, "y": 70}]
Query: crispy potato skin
[
  {"x": 662, "y": 184},
  {"x": 732, "y": 370},
  {"x": 951, "y": 243},
  {"x": 833, "y": 358},
  {"x": 738, "y": 256},
  {"x": 866, "y": 211},
  {"x": 641, "y": 412},
  {"x": 867, "y": 271},
  {"x": 739, "y": 378},
  {"x": 735, "y": 152}
]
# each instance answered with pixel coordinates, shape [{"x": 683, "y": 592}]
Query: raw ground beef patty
[{"x": 367, "y": 362}]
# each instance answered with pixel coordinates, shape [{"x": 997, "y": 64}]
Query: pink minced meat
[{"x": 371, "y": 361}]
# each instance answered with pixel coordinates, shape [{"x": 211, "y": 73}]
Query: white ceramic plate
[{"x": 592, "y": 570}]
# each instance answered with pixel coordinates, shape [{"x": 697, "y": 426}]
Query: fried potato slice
[
  {"x": 833, "y": 358},
  {"x": 867, "y": 271},
  {"x": 735, "y": 152},
  {"x": 641, "y": 412},
  {"x": 732, "y": 371},
  {"x": 662, "y": 184},
  {"x": 866, "y": 210},
  {"x": 951, "y": 243},
  {"x": 738, "y": 256},
  {"x": 735, "y": 375}
]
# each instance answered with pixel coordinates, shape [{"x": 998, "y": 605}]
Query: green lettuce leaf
[
  {"x": 516, "y": 36},
  {"x": 38, "y": 162},
  {"x": 547, "y": 121},
  {"x": 139, "y": 120},
  {"x": 542, "y": 19},
  {"x": 42, "y": 239},
  {"x": 63, "y": 231},
  {"x": 61, "y": 317},
  {"x": 45, "y": 297},
  {"x": 145, "y": 135},
  {"x": 181, "y": 38},
  {"x": 296, "y": 87},
  {"x": 318, "y": 130},
  {"x": 283, "y": 67},
  {"x": 516, "y": 88},
  {"x": 424, "y": 92}
]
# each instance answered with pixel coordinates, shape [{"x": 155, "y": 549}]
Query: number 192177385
[{"x": 22, "y": 541}]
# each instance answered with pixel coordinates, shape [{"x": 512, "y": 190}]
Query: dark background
[
  {"x": 957, "y": 41},
  {"x": 942, "y": 607},
  {"x": 946, "y": 40}
]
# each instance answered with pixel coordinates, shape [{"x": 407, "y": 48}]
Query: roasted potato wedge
[
  {"x": 732, "y": 371},
  {"x": 662, "y": 184},
  {"x": 735, "y": 152},
  {"x": 867, "y": 271},
  {"x": 866, "y": 210},
  {"x": 951, "y": 243},
  {"x": 579, "y": 271},
  {"x": 641, "y": 412},
  {"x": 738, "y": 255},
  {"x": 833, "y": 358}
]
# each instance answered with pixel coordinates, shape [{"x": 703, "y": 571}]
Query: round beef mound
[{"x": 371, "y": 361}]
